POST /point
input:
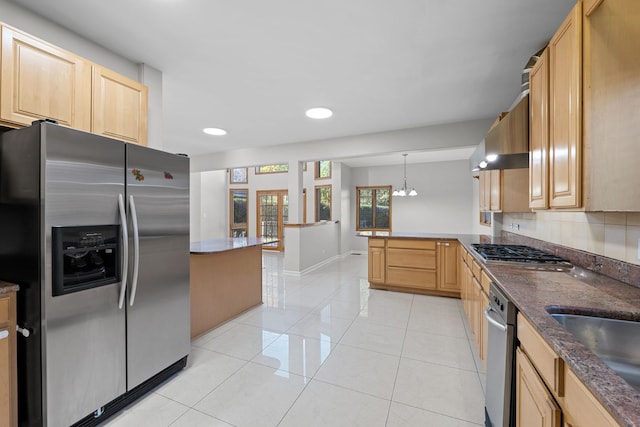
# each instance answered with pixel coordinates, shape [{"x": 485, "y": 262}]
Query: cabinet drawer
[
  {"x": 547, "y": 362},
  {"x": 413, "y": 258},
  {"x": 411, "y": 244},
  {"x": 4, "y": 310},
  {"x": 376, "y": 243},
  {"x": 409, "y": 277},
  {"x": 485, "y": 281},
  {"x": 476, "y": 268}
]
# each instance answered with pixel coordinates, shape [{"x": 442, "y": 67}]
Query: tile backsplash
[{"x": 611, "y": 234}]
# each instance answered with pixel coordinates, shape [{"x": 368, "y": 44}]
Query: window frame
[
  {"x": 373, "y": 210},
  {"x": 259, "y": 172},
  {"x": 246, "y": 176},
  {"x": 318, "y": 169},
  {"x": 232, "y": 224},
  {"x": 316, "y": 209}
]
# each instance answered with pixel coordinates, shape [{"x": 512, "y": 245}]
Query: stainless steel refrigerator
[{"x": 96, "y": 233}]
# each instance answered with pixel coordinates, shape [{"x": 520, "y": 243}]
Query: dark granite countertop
[
  {"x": 6, "y": 288},
  {"x": 228, "y": 244},
  {"x": 578, "y": 290},
  {"x": 581, "y": 291}
]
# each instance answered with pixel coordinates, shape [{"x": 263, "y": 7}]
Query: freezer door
[
  {"x": 158, "y": 308},
  {"x": 83, "y": 338}
]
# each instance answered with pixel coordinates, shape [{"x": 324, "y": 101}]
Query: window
[
  {"x": 238, "y": 213},
  {"x": 323, "y": 203},
  {"x": 238, "y": 176},
  {"x": 373, "y": 208},
  {"x": 323, "y": 169},
  {"x": 281, "y": 167}
]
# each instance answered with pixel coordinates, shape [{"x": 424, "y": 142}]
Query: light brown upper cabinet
[
  {"x": 591, "y": 77},
  {"x": 539, "y": 132},
  {"x": 119, "y": 106},
  {"x": 565, "y": 113},
  {"x": 611, "y": 38},
  {"x": 504, "y": 190},
  {"x": 41, "y": 81}
]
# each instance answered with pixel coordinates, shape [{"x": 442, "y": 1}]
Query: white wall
[
  {"x": 310, "y": 247},
  {"x": 194, "y": 206},
  {"x": 209, "y": 212},
  {"x": 444, "y": 204},
  {"x": 347, "y": 215}
]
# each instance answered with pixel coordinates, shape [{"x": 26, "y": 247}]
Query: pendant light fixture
[{"x": 404, "y": 190}]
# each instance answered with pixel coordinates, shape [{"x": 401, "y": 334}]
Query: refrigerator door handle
[
  {"x": 136, "y": 250},
  {"x": 125, "y": 250}
]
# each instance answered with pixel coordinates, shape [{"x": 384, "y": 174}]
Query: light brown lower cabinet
[
  {"x": 426, "y": 266},
  {"x": 474, "y": 300},
  {"x": 544, "y": 381},
  {"x": 376, "y": 260},
  {"x": 8, "y": 381},
  {"x": 535, "y": 406}
]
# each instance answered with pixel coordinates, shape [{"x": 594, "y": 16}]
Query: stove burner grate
[{"x": 517, "y": 253}]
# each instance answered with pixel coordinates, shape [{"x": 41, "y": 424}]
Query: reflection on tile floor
[{"x": 325, "y": 350}]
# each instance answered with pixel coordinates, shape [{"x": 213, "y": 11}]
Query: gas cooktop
[{"x": 518, "y": 254}]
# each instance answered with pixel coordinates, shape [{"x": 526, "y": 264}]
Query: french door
[{"x": 272, "y": 214}]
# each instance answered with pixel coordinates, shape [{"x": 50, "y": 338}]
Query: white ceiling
[{"x": 252, "y": 67}]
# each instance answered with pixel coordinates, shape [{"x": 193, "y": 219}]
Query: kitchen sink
[{"x": 615, "y": 341}]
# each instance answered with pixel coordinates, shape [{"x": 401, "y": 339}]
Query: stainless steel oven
[{"x": 499, "y": 393}]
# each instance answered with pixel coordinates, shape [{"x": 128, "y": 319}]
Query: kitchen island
[{"x": 226, "y": 280}]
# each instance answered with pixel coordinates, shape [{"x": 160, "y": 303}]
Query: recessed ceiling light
[
  {"x": 319, "y": 113},
  {"x": 491, "y": 157},
  {"x": 214, "y": 131}
]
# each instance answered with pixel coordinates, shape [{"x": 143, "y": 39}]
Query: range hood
[{"x": 508, "y": 139}]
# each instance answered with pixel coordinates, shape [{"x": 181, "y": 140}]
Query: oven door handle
[
  {"x": 487, "y": 313},
  {"x": 125, "y": 249}
]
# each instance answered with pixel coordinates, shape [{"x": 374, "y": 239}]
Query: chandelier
[{"x": 404, "y": 190}]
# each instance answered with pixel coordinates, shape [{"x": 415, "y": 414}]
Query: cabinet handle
[{"x": 4, "y": 334}]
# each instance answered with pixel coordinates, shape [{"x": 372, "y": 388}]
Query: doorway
[{"x": 272, "y": 213}]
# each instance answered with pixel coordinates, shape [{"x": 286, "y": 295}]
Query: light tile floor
[{"x": 325, "y": 350}]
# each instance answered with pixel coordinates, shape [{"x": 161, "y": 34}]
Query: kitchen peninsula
[{"x": 226, "y": 279}]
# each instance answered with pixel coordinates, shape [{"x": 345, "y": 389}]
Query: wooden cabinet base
[
  {"x": 414, "y": 290},
  {"x": 223, "y": 285}
]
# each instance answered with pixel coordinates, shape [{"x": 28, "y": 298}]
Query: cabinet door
[
  {"x": 376, "y": 265},
  {"x": 119, "y": 107},
  {"x": 485, "y": 191},
  {"x": 448, "y": 266},
  {"x": 539, "y": 132},
  {"x": 8, "y": 402},
  {"x": 40, "y": 81},
  {"x": 535, "y": 406},
  {"x": 496, "y": 190},
  {"x": 5, "y": 375},
  {"x": 611, "y": 71},
  {"x": 565, "y": 113}
]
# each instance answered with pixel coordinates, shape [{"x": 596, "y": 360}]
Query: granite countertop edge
[
  {"x": 227, "y": 244},
  {"x": 575, "y": 291},
  {"x": 6, "y": 288}
]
